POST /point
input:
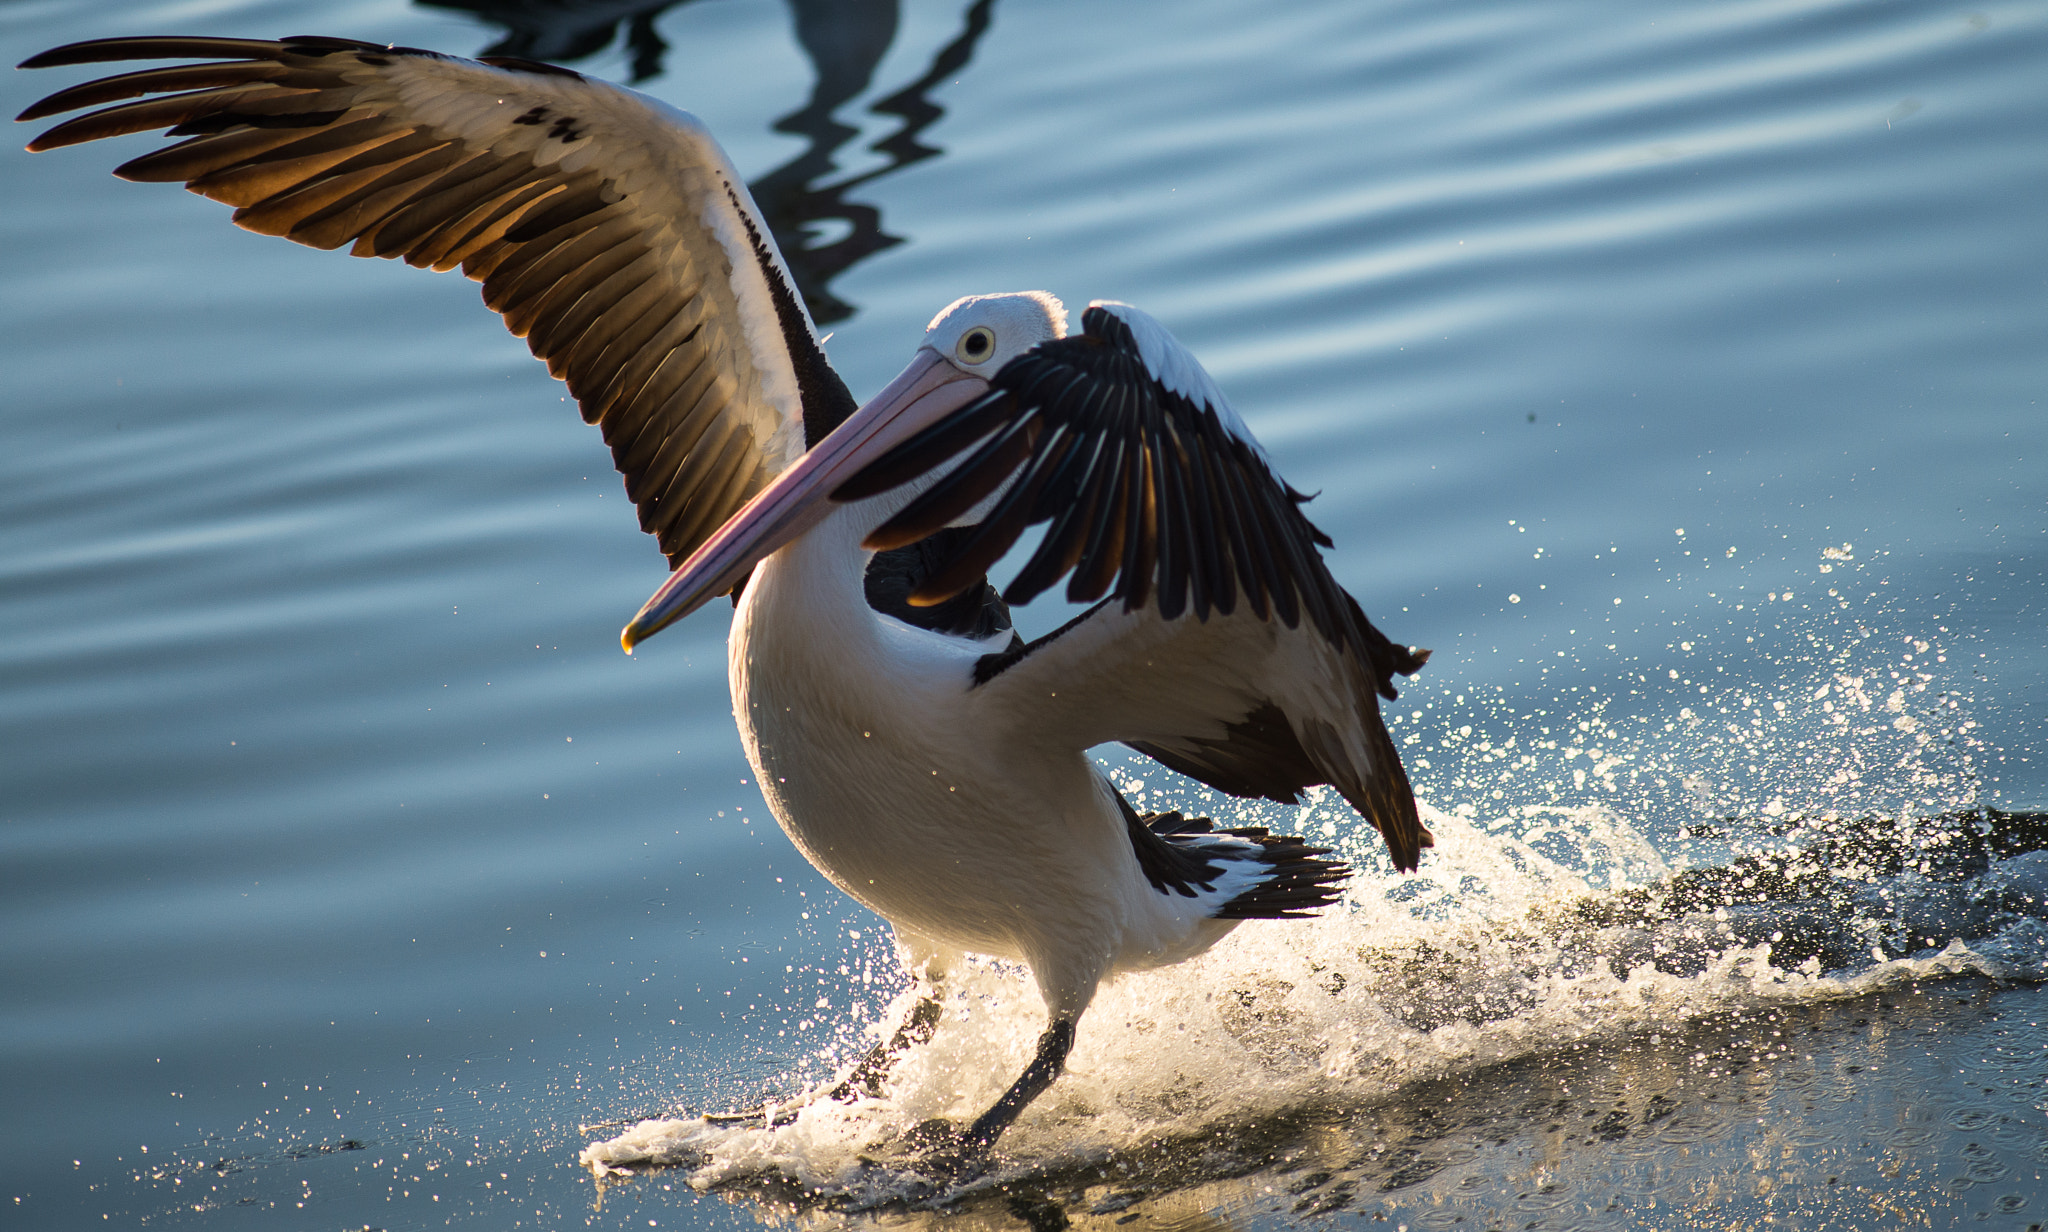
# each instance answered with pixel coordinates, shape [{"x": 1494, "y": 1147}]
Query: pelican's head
[
  {"x": 978, "y": 334},
  {"x": 962, "y": 348}
]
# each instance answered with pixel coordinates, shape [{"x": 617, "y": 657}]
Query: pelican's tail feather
[{"x": 1247, "y": 873}]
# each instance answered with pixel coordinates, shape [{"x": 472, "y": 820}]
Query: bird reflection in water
[{"x": 822, "y": 234}]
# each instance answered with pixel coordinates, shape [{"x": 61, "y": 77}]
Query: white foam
[{"x": 1395, "y": 988}]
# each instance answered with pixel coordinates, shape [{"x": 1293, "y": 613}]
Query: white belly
[{"x": 865, "y": 736}]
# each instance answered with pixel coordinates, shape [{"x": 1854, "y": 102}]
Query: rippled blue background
[{"x": 322, "y": 769}]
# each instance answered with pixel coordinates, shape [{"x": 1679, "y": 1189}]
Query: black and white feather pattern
[
  {"x": 1154, "y": 490},
  {"x": 1238, "y": 874},
  {"x": 609, "y": 230},
  {"x": 1155, "y": 495}
]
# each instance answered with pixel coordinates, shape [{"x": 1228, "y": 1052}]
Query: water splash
[
  {"x": 1400, "y": 987},
  {"x": 1614, "y": 861}
]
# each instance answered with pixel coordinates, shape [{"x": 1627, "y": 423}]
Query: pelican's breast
[{"x": 872, "y": 756}]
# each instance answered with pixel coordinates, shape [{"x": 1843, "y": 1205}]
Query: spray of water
[{"x": 1674, "y": 841}]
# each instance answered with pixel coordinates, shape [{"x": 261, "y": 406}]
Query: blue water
[{"x": 331, "y": 812}]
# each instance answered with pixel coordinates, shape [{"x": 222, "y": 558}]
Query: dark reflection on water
[
  {"x": 799, "y": 196},
  {"x": 820, "y": 232},
  {"x": 559, "y": 31}
]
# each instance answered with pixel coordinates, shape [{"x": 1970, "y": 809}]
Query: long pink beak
[{"x": 923, "y": 394}]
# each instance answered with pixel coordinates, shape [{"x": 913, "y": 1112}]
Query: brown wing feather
[{"x": 534, "y": 181}]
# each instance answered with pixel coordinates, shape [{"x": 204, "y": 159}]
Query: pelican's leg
[
  {"x": 783, "y": 1115},
  {"x": 966, "y": 1151},
  {"x": 867, "y": 1077}
]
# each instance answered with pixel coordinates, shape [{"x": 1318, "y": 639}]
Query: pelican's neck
[
  {"x": 813, "y": 586},
  {"x": 825, "y": 689},
  {"x": 805, "y": 637}
]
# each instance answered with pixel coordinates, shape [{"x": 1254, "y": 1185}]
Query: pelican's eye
[{"x": 976, "y": 345}]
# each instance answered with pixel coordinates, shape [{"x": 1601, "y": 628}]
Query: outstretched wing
[
  {"x": 609, "y": 230},
  {"x": 1155, "y": 490},
  {"x": 1224, "y": 648}
]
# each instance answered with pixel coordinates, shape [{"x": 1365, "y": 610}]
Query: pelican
[{"x": 929, "y": 761}]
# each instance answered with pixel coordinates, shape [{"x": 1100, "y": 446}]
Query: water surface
[{"x": 1673, "y": 370}]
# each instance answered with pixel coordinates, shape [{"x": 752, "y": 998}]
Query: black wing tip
[
  {"x": 148, "y": 47},
  {"x": 977, "y": 612},
  {"x": 41, "y": 110},
  {"x": 321, "y": 44},
  {"x": 89, "y": 51},
  {"x": 1407, "y": 851},
  {"x": 1409, "y": 659},
  {"x": 521, "y": 64},
  {"x": 206, "y": 47}
]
